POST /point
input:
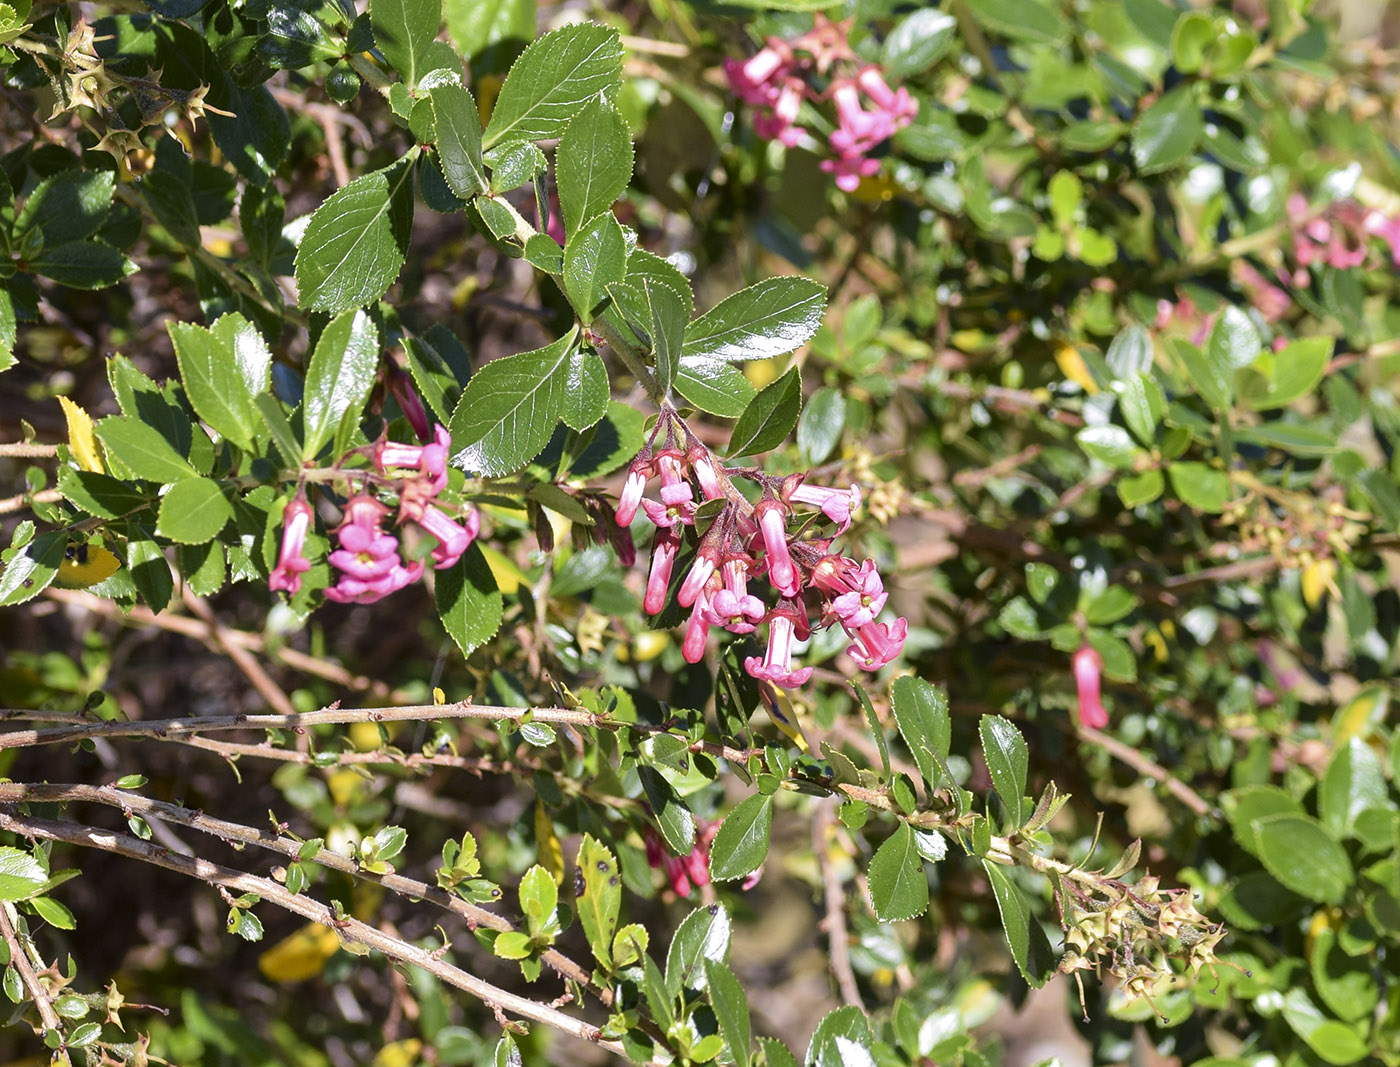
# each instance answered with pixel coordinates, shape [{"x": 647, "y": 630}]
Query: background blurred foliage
[{"x": 1110, "y": 346}]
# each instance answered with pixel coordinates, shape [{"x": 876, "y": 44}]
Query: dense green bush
[{"x": 1000, "y": 395}]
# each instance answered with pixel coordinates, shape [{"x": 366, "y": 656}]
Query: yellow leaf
[
  {"x": 300, "y": 955},
  {"x": 760, "y": 372},
  {"x": 347, "y": 784},
  {"x": 364, "y": 736},
  {"x": 81, "y": 442},
  {"x": 875, "y": 189},
  {"x": 508, "y": 576},
  {"x": 1073, "y": 367},
  {"x": 1361, "y": 715},
  {"x": 780, "y": 710},
  {"x": 551, "y": 852},
  {"x": 400, "y": 1054},
  {"x": 86, "y": 564},
  {"x": 1317, "y": 581}
]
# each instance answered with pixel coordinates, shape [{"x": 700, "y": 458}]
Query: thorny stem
[
  {"x": 349, "y": 930},
  {"x": 42, "y": 1001}
]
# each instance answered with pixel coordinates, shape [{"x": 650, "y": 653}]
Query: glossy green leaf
[
  {"x": 593, "y": 163},
  {"x": 403, "y": 30},
  {"x": 481, "y": 27},
  {"x": 149, "y": 570},
  {"x": 1130, "y": 353},
  {"x": 539, "y": 896},
  {"x": 145, "y": 452},
  {"x": 552, "y": 80},
  {"x": 1030, "y": 948},
  {"x": 1138, "y": 489},
  {"x": 1200, "y": 486},
  {"x": 847, "y": 1024},
  {"x": 921, "y": 711},
  {"x": 339, "y": 377},
  {"x": 356, "y": 241},
  {"x": 193, "y": 511},
  {"x": 68, "y": 206},
  {"x": 21, "y": 875},
  {"x": 468, "y": 601},
  {"x": 1007, "y": 758},
  {"x": 917, "y": 42},
  {"x": 223, "y": 369},
  {"x": 1332, "y": 1041},
  {"x": 1353, "y": 782},
  {"x": 594, "y": 258},
  {"x": 1167, "y": 132},
  {"x": 741, "y": 845},
  {"x": 83, "y": 264},
  {"x": 769, "y": 416},
  {"x": 600, "y": 903},
  {"x": 1142, "y": 405},
  {"x": 459, "y": 140},
  {"x": 1109, "y": 606},
  {"x": 769, "y": 319},
  {"x": 819, "y": 428},
  {"x": 1299, "y": 852},
  {"x": 1024, "y": 20},
  {"x": 673, "y": 817},
  {"x": 1108, "y": 444},
  {"x": 731, "y": 1005},
  {"x": 1276, "y": 379},
  {"x": 898, "y": 886},
  {"x": 714, "y": 387},
  {"x": 702, "y": 935}
]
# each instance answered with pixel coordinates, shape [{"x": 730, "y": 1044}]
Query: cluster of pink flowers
[
  {"x": 1337, "y": 235},
  {"x": 749, "y": 541},
  {"x": 779, "y": 78},
  {"x": 366, "y": 558},
  {"x": 682, "y": 871}
]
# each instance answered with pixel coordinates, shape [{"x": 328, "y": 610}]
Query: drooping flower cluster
[
  {"x": 366, "y": 558},
  {"x": 682, "y": 871},
  {"x": 785, "y": 73},
  {"x": 746, "y": 542}
]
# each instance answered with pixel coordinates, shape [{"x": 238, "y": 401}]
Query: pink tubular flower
[
  {"x": 401, "y": 387},
  {"x": 733, "y": 607},
  {"x": 877, "y": 644},
  {"x": 753, "y": 81},
  {"x": 291, "y": 560},
  {"x": 1088, "y": 666},
  {"x": 706, "y": 560},
  {"x": 849, "y": 170},
  {"x": 697, "y": 632},
  {"x": 632, "y": 490},
  {"x": 368, "y": 558},
  {"x": 677, "y": 505},
  {"x": 857, "y": 130},
  {"x": 772, "y": 524},
  {"x": 776, "y": 665},
  {"x": 856, "y": 590},
  {"x": 835, "y": 504},
  {"x": 663, "y": 557},
  {"x": 453, "y": 538},
  {"x": 897, "y": 103},
  {"x": 1388, "y": 230},
  {"x": 703, "y": 464},
  {"x": 431, "y": 459}
]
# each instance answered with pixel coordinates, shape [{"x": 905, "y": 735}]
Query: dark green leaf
[
  {"x": 741, "y": 845},
  {"x": 193, "y": 511},
  {"x": 552, "y": 80},
  {"x": 1167, "y": 132},
  {"x": 68, "y": 206},
  {"x": 1299, "y": 852},
  {"x": 1354, "y": 782},
  {"x": 356, "y": 241},
  {"x": 672, "y": 816},
  {"x": 702, "y": 935},
  {"x": 769, "y": 319},
  {"x": 459, "y": 140},
  {"x": 921, "y": 710},
  {"x": 898, "y": 886},
  {"x": 339, "y": 377},
  {"x": 145, "y": 452},
  {"x": 731, "y": 1005},
  {"x": 593, "y": 163},
  {"x": 917, "y": 42},
  {"x": 1025, "y": 20},
  {"x": 1030, "y": 948},
  {"x": 1005, "y": 751},
  {"x": 769, "y": 417},
  {"x": 172, "y": 202},
  {"x": 478, "y": 27},
  {"x": 83, "y": 264},
  {"x": 468, "y": 601},
  {"x": 99, "y": 494},
  {"x": 714, "y": 387},
  {"x": 403, "y": 30},
  {"x": 594, "y": 258},
  {"x": 1202, "y": 487},
  {"x": 847, "y": 1024},
  {"x": 32, "y": 570}
]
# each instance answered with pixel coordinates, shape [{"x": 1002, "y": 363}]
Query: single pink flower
[
  {"x": 1088, "y": 667},
  {"x": 291, "y": 560},
  {"x": 835, "y": 504},
  {"x": 664, "y": 548},
  {"x": 876, "y": 644},
  {"x": 632, "y": 491},
  {"x": 776, "y": 665},
  {"x": 706, "y": 562},
  {"x": 897, "y": 103},
  {"x": 772, "y": 525},
  {"x": 697, "y": 632},
  {"x": 733, "y": 607},
  {"x": 431, "y": 459},
  {"x": 453, "y": 538},
  {"x": 848, "y": 171},
  {"x": 368, "y": 558},
  {"x": 702, "y": 463}
]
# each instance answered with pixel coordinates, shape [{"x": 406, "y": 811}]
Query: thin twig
[
  {"x": 242, "y": 658},
  {"x": 20, "y": 958},
  {"x": 134, "y": 804},
  {"x": 836, "y": 935},
  {"x": 1125, "y": 753},
  {"x": 348, "y": 929},
  {"x": 23, "y": 500},
  {"x": 28, "y": 450}
]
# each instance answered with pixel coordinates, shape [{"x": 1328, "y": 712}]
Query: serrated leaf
[
  {"x": 193, "y": 511},
  {"x": 898, "y": 886},
  {"x": 741, "y": 845},
  {"x": 145, "y": 452},
  {"x": 404, "y": 30},
  {"x": 769, "y": 416},
  {"x": 1354, "y": 782},
  {"x": 356, "y": 241},
  {"x": 1301, "y": 855},
  {"x": 601, "y": 900},
  {"x": 552, "y": 80},
  {"x": 769, "y": 319},
  {"x": 845, "y": 1024},
  {"x": 459, "y": 140},
  {"x": 702, "y": 935},
  {"x": 921, "y": 712},
  {"x": 714, "y": 387},
  {"x": 223, "y": 369},
  {"x": 339, "y": 377},
  {"x": 83, "y": 264},
  {"x": 594, "y": 258},
  {"x": 21, "y": 875},
  {"x": 1007, "y": 758},
  {"x": 68, "y": 206},
  {"x": 1030, "y": 948},
  {"x": 468, "y": 601},
  {"x": 731, "y": 1006},
  {"x": 593, "y": 163}
]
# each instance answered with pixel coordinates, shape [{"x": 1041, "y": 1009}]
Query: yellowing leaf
[
  {"x": 81, "y": 442},
  {"x": 508, "y": 576},
  {"x": 547, "y": 845},
  {"x": 347, "y": 784},
  {"x": 780, "y": 710},
  {"x": 85, "y": 565},
  {"x": 1073, "y": 367},
  {"x": 364, "y": 736},
  {"x": 1317, "y": 581},
  {"x": 1360, "y": 716},
  {"x": 299, "y": 955},
  {"x": 400, "y": 1054}
]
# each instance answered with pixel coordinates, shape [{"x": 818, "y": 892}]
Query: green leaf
[
  {"x": 769, "y": 319},
  {"x": 403, "y": 30},
  {"x": 1024, "y": 20},
  {"x": 819, "y": 428},
  {"x": 356, "y": 241},
  {"x": 1348, "y": 989},
  {"x": 21, "y": 875},
  {"x": 769, "y": 417},
  {"x": 917, "y": 42},
  {"x": 1299, "y": 852},
  {"x": 846, "y": 1024},
  {"x": 714, "y": 387},
  {"x": 600, "y": 902},
  {"x": 99, "y": 494},
  {"x": 83, "y": 264},
  {"x": 1108, "y": 444},
  {"x": 741, "y": 845},
  {"x": 1110, "y": 606},
  {"x": 1302, "y": 440},
  {"x": 1193, "y": 34},
  {"x": 1005, "y": 751},
  {"x": 1167, "y": 132},
  {"x": 1234, "y": 343},
  {"x": 509, "y": 408},
  {"x": 88, "y": 1033},
  {"x": 468, "y": 601},
  {"x": 1355, "y": 781},
  {"x": 339, "y": 377},
  {"x": 223, "y": 369},
  {"x": 731, "y": 1005},
  {"x": 1334, "y": 1042},
  {"x": 1285, "y": 376},
  {"x": 674, "y": 819},
  {"x": 552, "y": 80},
  {"x": 898, "y": 886},
  {"x": 1143, "y": 488},
  {"x": 68, "y": 206},
  {"x": 1130, "y": 353},
  {"x": 150, "y": 572},
  {"x": 775, "y": 1053},
  {"x": 593, "y": 163},
  {"x": 921, "y": 711},
  {"x": 668, "y": 311},
  {"x": 1154, "y": 19},
  {"x": 459, "y": 140},
  {"x": 144, "y": 451},
  {"x": 702, "y": 935},
  {"x": 539, "y": 896},
  {"x": 193, "y": 511},
  {"x": 1213, "y": 381},
  {"x": 172, "y": 202},
  {"x": 1142, "y": 405},
  {"x": 594, "y": 258},
  {"x": 479, "y": 26},
  {"x": 1200, "y": 486},
  {"x": 512, "y": 945},
  {"x": 1030, "y": 948}
]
